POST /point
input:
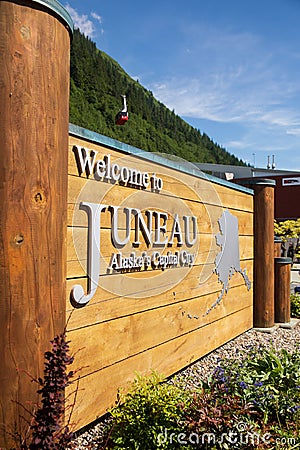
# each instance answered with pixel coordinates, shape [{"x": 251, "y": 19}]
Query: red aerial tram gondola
[{"x": 122, "y": 116}]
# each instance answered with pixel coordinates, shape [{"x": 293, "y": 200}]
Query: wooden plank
[
  {"x": 107, "y": 305},
  {"x": 178, "y": 183},
  {"x": 205, "y": 251},
  {"x": 97, "y": 392},
  {"x": 136, "y": 333},
  {"x": 100, "y": 192},
  {"x": 77, "y": 238},
  {"x": 207, "y": 215}
]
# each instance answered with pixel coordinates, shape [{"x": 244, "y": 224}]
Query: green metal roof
[{"x": 59, "y": 10}]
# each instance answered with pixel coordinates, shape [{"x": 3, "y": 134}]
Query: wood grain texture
[
  {"x": 151, "y": 319},
  {"x": 277, "y": 249},
  {"x": 77, "y": 238},
  {"x": 264, "y": 256},
  {"x": 132, "y": 334},
  {"x": 34, "y": 91},
  {"x": 136, "y": 321},
  {"x": 97, "y": 392},
  {"x": 107, "y": 305},
  {"x": 282, "y": 275}
]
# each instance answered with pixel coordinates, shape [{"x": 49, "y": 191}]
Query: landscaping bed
[{"x": 245, "y": 394}]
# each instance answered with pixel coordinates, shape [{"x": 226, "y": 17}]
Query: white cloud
[
  {"x": 227, "y": 98},
  {"x": 82, "y": 22},
  {"x": 96, "y": 17},
  {"x": 230, "y": 78},
  {"x": 246, "y": 90},
  {"x": 235, "y": 144},
  {"x": 293, "y": 132}
]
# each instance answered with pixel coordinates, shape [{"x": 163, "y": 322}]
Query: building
[{"x": 287, "y": 190}]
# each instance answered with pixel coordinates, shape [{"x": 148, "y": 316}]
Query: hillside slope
[{"x": 97, "y": 82}]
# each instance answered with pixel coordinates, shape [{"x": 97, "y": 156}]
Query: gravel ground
[{"x": 280, "y": 338}]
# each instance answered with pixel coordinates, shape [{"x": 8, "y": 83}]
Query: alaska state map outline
[{"x": 227, "y": 261}]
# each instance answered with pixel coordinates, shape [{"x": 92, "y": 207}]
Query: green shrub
[
  {"x": 295, "y": 305},
  {"x": 148, "y": 414},
  {"x": 248, "y": 397},
  {"x": 267, "y": 379},
  {"x": 48, "y": 428},
  {"x": 216, "y": 418}
]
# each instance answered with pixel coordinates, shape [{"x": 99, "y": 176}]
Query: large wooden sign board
[
  {"x": 159, "y": 265},
  {"x": 149, "y": 262}
]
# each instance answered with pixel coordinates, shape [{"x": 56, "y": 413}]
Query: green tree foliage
[
  {"x": 97, "y": 82},
  {"x": 289, "y": 232},
  {"x": 287, "y": 229}
]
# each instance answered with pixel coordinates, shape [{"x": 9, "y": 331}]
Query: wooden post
[
  {"x": 34, "y": 119},
  {"x": 277, "y": 246},
  {"x": 264, "y": 316},
  {"x": 282, "y": 290},
  {"x": 263, "y": 301}
]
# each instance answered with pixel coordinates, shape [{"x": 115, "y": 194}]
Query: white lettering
[
  {"x": 145, "y": 227},
  {"x": 124, "y": 175},
  {"x": 181, "y": 438},
  {"x": 160, "y": 227},
  {"x": 85, "y": 159},
  {"x": 99, "y": 169},
  {"x": 107, "y": 171},
  {"x": 190, "y": 242},
  {"x": 104, "y": 169},
  {"x": 176, "y": 231},
  {"x": 114, "y": 264},
  {"x": 145, "y": 179},
  {"x": 117, "y": 242},
  {"x": 115, "y": 172},
  {"x": 77, "y": 296},
  {"x": 135, "y": 177},
  {"x": 156, "y": 183},
  {"x": 140, "y": 225}
]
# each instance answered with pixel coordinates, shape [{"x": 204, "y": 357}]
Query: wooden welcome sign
[
  {"x": 159, "y": 265},
  {"x": 34, "y": 119},
  {"x": 147, "y": 261}
]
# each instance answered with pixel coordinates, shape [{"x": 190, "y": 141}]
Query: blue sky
[{"x": 230, "y": 68}]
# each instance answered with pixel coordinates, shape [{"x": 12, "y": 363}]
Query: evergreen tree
[{"x": 96, "y": 85}]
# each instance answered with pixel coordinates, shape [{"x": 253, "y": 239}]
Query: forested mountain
[{"x": 97, "y": 82}]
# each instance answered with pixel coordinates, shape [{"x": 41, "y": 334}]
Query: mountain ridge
[{"x": 96, "y": 84}]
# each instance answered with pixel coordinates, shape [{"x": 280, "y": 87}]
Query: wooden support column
[
  {"x": 277, "y": 246},
  {"x": 264, "y": 316},
  {"x": 263, "y": 300},
  {"x": 34, "y": 119},
  {"x": 282, "y": 290}
]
